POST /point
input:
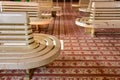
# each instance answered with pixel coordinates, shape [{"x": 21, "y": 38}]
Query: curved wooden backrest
[
  {"x": 13, "y": 18},
  {"x": 105, "y": 11},
  {"x": 14, "y": 29},
  {"x": 31, "y": 8},
  {"x": 44, "y": 3},
  {"x": 90, "y": 3},
  {"x": 102, "y": 15},
  {"x": 83, "y": 2},
  {"x": 46, "y": 8},
  {"x": 87, "y": 9}
]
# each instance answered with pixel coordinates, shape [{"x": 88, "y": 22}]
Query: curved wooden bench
[
  {"x": 81, "y": 4},
  {"x": 31, "y": 8},
  {"x": 27, "y": 57},
  {"x": 103, "y": 15},
  {"x": 20, "y": 49},
  {"x": 47, "y": 8},
  {"x": 87, "y": 10},
  {"x": 83, "y": 22},
  {"x": 40, "y": 24}
]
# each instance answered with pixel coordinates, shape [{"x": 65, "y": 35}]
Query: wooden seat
[
  {"x": 47, "y": 8},
  {"x": 40, "y": 24},
  {"x": 81, "y": 4},
  {"x": 19, "y": 48},
  {"x": 31, "y": 8},
  {"x": 103, "y": 15},
  {"x": 87, "y": 9},
  {"x": 85, "y": 20},
  {"x": 82, "y": 21}
]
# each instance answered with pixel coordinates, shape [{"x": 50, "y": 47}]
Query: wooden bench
[
  {"x": 81, "y": 4},
  {"x": 47, "y": 8},
  {"x": 19, "y": 49},
  {"x": 103, "y": 15},
  {"x": 87, "y": 9},
  {"x": 38, "y": 24},
  {"x": 31, "y": 8}
]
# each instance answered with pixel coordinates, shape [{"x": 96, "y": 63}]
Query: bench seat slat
[
  {"x": 107, "y": 18},
  {"x": 49, "y": 46},
  {"x": 15, "y": 32},
  {"x": 19, "y": 3},
  {"x": 13, "y": 27},
  {"x": 15, "y": 41},
  {"x": 30, "y": 7},
  {"x": 14, "y": 37}
]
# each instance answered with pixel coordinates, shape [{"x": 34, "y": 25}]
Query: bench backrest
[
  {"x": 14, "y": 29},
  {"x": 84, "y": 1},
  {"x": 46, "y": 6},
  {"x": 105, "y": 15},
  {"x": 31, "y": 8},
  {"x": 106, "y": 11},
  {"x": 46, "y": 3},
  {"x": 90, "y": 3},
  {"x": 13, "y": 18}
]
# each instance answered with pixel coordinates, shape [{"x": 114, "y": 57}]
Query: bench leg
[
  {"x": 92, "y": 32},
  {"x": 43, "y": 28},
  {"x": 33, "y": 28},
  {"x": 88, "y": 30},
  {"x": 29, "y": 73}
]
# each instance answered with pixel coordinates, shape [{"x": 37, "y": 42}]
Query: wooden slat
[
  {"x": 87, "y": 9},
  {"x": 13, "y": 26},
  {"x": 29, "y": 7},
  {"x": 103, "y": 15},
  {"x": 18, "y": 18},
  {"x": 81, "y": 4}
]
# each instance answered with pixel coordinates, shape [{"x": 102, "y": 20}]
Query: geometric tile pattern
[{"x": 83, "y": 58}]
